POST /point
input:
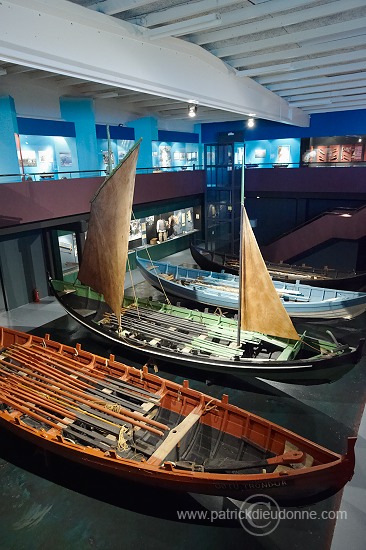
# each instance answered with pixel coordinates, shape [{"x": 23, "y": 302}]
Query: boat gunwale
[{"x": 183, "y": 391}]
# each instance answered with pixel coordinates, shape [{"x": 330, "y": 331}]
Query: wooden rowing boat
[
  {"x": 140, "y": 427},
  {"x": 329, "y": 278},
  {"x": 222, "y": 290}
]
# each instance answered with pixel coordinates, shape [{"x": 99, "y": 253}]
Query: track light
[
  {"x": 250, "y": 123},
  {"x": 192, "y": 109}
]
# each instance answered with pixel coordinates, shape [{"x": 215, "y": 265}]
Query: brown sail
[
  {"x": 104, "y": 259},
  {"x": 261, "y": 309}
]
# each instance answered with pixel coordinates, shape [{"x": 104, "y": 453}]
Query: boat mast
[{"x": 241, "y": 241}]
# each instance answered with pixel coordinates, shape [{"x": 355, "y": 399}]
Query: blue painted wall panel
[
  {"x": 182, "y": 137},
  {"x": 8, "y": 127}
]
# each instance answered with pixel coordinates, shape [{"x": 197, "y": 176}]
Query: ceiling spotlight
[
  {"x": 250, "y": 123},
  {"x": 192, "y": 109}
]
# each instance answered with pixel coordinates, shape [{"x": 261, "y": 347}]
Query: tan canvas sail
[
  {"x": 104, "y": 259},
  {"x": 261, "y": 308}
]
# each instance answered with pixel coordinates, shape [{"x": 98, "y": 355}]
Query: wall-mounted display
[
  {"x": 192, "y": 155},
  {"x": 357, "y": 153},
  {"x": 335, "y": 149},
  {"x": 174, "y": 154},
  {"x": 165, "y": 156},
  {"x": 283, "y": 154},
  {"x": 28, "y": 158},
  {"x": 46, "y": 156},
  {"x": 270, "y": 153},
  {"x": 41, "y": 155},
  {"x": 105, "y": 157},
  {"x": 65, "y": 159},
  {"x": 135, "y": 230}
]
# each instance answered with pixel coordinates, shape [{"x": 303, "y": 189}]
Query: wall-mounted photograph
[
  {"x": 28, "y": 158},
  {"x": 45, "y": 156},
  {"x": 65, "y": 159},
  {"x": 283, "y": 154}
]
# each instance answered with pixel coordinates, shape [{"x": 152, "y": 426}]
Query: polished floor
[{"x": 46, "y": 503}]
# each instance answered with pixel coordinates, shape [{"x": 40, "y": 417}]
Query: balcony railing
[{"x": 58, "y": 174}]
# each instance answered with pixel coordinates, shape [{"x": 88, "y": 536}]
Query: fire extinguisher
[{"x": 35, "y": 295}]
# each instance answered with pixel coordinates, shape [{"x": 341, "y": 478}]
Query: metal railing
[{"x": 59, "y": 175}]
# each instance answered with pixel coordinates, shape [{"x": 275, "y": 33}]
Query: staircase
[{"x": 338, "y": 224}]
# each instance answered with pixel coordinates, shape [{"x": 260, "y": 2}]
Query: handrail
[
  {"x": 341, "y": 210},
  {"x": 93, "y": 173}
]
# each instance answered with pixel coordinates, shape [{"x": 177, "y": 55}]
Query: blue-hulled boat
[{"x": 222, "y": 290}]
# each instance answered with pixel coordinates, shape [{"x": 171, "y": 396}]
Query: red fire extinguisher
[{"x": 35, "y": 295}]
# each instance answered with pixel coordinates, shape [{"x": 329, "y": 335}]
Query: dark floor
[{"x": 47, "y": 503}]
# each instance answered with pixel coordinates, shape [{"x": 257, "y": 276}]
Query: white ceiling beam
[
  {"x": 106, "y": 95},
  {"x": 184, "y": 11},
  {"x": 171, "y": 107},
  {"x": 332, "y": 88},
  {"x": 345, "y": 107},
  {"x": 192, "y": 9},
  {"x": 304, "y": 64},
  {"x": 150, "y": 102},
  {"x": 111, "y": 7},
  {"x": 185, "y": 27},
  {"x": 333, "y": 69},
  {"x": 330, "y": 101},
  {"x": 272, "y": 22},
  {"x": 298, "y": 51},
  {"x": 46, "y": 34},
  {"x": 70, "y": 81},
  {"x": 18, "y": 69},
  {"x": 314, "y": 82},
  {"x": 291, "y": 37},
  {"x": 326, "y": 95}
]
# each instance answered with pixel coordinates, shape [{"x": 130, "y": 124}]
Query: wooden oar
[
  {"x": 35, "y": 399},
  {"x": 80, "y": 395},
  {"x": 32, "y": 401},
  {"x": 127, "y": 416},
  {"x": 11, "y": 402},
  {"x": 53, "y": 374},
  {"x": 94, "y": 375},
  {"x": 31, "y": 359},
  {"x": 109, "y": 413}
]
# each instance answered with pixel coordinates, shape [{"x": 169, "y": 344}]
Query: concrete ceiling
[{"x": 309, "y": 53}]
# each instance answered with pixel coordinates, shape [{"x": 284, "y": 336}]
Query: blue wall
[
  {"x": 9, "y": 163},
  {"x": 321, "y": 124},
  {"x": 182, "y": 137},
  {"x": 271, "y": 149},
  {"x": 80, "y": 111},
  {"x": 115, "y": 132},
  {"x": 147, "y": 128},
  {"x": 210, "y": 131},
  {"x": 39, "y": 127}
]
